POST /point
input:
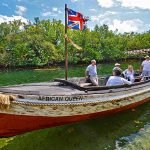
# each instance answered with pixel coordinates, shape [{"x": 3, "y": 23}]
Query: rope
[
  {"x": 79, "y": 103},
  {"x": 5, "y": 101}
]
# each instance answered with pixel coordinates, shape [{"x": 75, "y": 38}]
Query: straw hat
[
  {"x": 117, "y": 64},
  {"x": 146, "y": 56}
]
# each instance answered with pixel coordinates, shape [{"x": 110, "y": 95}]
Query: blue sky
[{"x": 124, "y": 15}]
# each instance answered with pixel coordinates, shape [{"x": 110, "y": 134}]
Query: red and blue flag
[{"x": 76, "y": 20}]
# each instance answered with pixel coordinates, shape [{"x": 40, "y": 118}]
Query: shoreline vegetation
[
  {"x": 61, "y": 65},
  {"x": 41, "y": 43}
]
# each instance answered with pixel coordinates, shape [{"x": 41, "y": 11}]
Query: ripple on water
[{"x": 136, "y": 141}]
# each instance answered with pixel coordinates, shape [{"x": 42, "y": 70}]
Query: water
[
  {"x": 120, "y": 131},
  {"x": 138, "y": 140},
  {"x": 127, "y": 130}
]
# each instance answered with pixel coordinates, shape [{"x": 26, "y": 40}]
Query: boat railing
[{"x": 89, "y": 87}]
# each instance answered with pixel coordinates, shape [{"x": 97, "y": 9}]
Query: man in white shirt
[
  {"x": 116, "y": 79},
  {"x": 145, "y": 67},
  {"x": 91, "y": 73}
]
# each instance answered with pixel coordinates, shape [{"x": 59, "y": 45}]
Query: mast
[{"x": 66, "y": 50}]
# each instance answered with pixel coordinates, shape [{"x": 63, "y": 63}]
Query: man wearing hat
[
  {"x": 117, "y": 66},
  {"x": 145, "y": 67}
]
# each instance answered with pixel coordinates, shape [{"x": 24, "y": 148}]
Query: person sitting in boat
[
  {"x": 145, "y": 67},
  {"x": 91, "y": 73},
  {"x": 117, "y": 66},
  {"x": 129, "y": 74},
  {"x": 116, "y": 79}
]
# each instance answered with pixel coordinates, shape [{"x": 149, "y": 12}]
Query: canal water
[{"x": 128, "y": 130}]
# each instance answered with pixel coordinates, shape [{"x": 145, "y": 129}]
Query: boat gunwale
[
  {"x": 96, "y": 88},
  {"x": 90, "y": 92},
  {"x": 87, "y": 90}
]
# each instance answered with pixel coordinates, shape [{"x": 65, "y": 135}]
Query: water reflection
[{"x": 139, "y": 140}]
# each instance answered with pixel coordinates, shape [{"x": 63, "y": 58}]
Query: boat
[{"x": 33, "y": 106}]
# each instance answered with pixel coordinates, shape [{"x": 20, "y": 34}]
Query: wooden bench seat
[{"x": 85, "y": 84}]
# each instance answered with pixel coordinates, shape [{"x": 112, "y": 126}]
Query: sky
[{"x": 123, "y": 15}]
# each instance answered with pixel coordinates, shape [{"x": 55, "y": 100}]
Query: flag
[{"x": 76, "y": 20}]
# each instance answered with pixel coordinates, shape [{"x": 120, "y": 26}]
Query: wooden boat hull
[
  {"x": 44, "y": 105},
  {"x": 11, "y": 125}
]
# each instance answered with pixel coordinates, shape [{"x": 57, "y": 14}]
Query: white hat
[
  {"x": 146, "y": 56},
  {"x": 117, "y": 64}
]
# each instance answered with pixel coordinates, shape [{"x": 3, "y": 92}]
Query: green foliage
[{"x": 42, "y": 43}]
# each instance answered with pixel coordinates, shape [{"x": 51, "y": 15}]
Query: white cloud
[
  {"x": 8, "y": 19},
  {"x": 4, "y": 4},
  {"x": 60, "y": 12},
  {"x": 105, "y": 3},
  {"x": 74, "y": 1},
  {"x": 20, "y": 10},
  {"x": 142, "y": 4},
  {"x": 53, "y": 12},
  {"x": 126, "y": 26},
  {"x": 103, "y": 16},
  {"x": 55, "y": 9},
  {"x": 48, "y": 13},
  {"x": 92, "y": 10},
  {"x": 133, "y": 12}
]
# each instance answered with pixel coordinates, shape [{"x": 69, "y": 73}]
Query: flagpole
[{"x": 66, "y": 50}]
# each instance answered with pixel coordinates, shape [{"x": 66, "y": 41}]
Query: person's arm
[
  {"x": 87, "y": 72},
  {"x": 124, "y": 73},
  {"x": 133, "y": 72},
  {"x": 126, "y": 81},
  {"x": 141, "y": 68}
]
